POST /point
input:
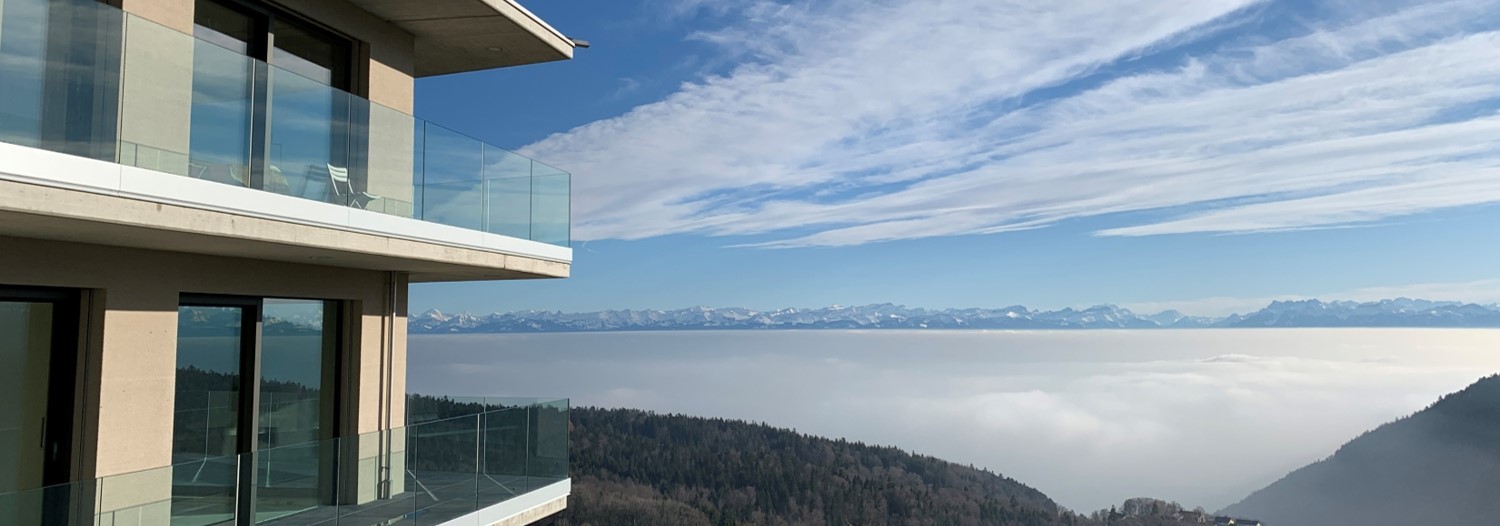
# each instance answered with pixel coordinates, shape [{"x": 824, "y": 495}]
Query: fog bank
[{"x": 1090, "y": 417}]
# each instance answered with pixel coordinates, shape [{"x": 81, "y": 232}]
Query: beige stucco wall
[
  {"x": 176, "y": 14},
  {"x": 135, "y": 353}
]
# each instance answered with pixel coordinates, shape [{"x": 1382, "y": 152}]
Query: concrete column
[
  {"x": 137, "y": 374},
  {"x": 134, "y": 384},
  {"x": 174, "y": 14},
  {"x": 390, "y": 68},
  {"x": 378, "y": 396}
]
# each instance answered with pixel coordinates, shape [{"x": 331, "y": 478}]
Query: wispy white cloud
[{"x": 856, "y": 122}]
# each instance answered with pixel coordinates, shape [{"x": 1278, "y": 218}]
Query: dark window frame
[
  {"x": 269, "y": 14},
  {"x": 63, "y": 414},
  {"x": 62, "y": 375}
]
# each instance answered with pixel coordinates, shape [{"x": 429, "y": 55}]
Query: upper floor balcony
[{"x": 155, "y": 116}]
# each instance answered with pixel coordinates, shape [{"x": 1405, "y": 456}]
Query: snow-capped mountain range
[{"x": 1401, "y": 312}]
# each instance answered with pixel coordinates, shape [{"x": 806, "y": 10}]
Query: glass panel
[
  {"x": 459, "y": 204},
  {"x": 205, "y": 426},
  {"x": 442, "y": 458},
  {"x": 550, "y": 205},
  {"x": 453, "y": 169},
  {"x": 25, "y": 355},
  {"x": 504, "y": 455},
  {"x": 308, "y": 151},
  {"x": 219, "y": 141},
  {"x": 362, "y": 484},
  {"x": 144, "y": 497},
  {"x": 296, "y": 407},
  {"x": 59, "y": 76},
  {"x": 391, "y": 165},
  {"x": 421, "y": 409},
  {"x": 23, "y": 66},
  {"x": 203, "y": 491},
  {"x": 418, "y": 166},
  {"x": 52, "y": 505},
  {"x": 295, "y": 484},
  {"x": 450, "y": 156},
  {"x": 155, "y": 103},
  {"x": 507, "y": 183},
  {"x": 457, "y": 465},
  {"x": 547, "y": 460}
]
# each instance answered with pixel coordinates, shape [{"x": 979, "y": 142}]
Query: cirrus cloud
[{"x": 853, "y": 122}]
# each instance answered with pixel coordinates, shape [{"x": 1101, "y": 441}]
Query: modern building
[{"x": 210, "y": 212}]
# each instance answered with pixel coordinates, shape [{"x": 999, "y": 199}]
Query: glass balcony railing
[
  {"x": 83, "y": 78},
  {"x": 428, "y": 472}
]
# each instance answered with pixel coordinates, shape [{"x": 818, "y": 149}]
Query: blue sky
[{"x": 1206, "y": 155}]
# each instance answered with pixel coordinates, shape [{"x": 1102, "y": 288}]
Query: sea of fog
[{"x": 1089, "y": 417}]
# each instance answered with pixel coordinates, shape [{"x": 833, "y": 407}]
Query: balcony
[
  {"x": 464, "y": 462},
  {"x": 216, "y": 130}
]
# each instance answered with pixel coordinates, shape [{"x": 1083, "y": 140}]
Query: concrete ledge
[
  {"x": 57, "y": 196},
  {"x": 522, "y": 510}
]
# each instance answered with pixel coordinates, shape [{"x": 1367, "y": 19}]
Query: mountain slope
[
  {"x": 1439, "y": 466},
  {"x": 1401, "y": 312},
  {"x": 635, "y": 467}
]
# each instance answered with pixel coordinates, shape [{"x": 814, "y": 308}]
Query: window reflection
[
  {"x": 296, "y": 407},
  {"x": 205, "y": 425}
]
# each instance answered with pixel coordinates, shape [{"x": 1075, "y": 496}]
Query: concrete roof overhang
[{"x": 455, "y": 36}]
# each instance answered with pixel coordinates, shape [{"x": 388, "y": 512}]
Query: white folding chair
[{"x": 338, "y": 179}]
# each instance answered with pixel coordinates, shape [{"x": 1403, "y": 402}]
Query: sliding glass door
[
  {"x": 207, "y": 429},
  {"x": 256, "y": 402},
  {"x": 38, "y": 356},
  {"x": 298, "y": 408}
]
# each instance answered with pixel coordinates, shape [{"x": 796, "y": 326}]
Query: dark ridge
[
  {"x": 1439, "y": 466},
  {"x": 637, "y": 467}
]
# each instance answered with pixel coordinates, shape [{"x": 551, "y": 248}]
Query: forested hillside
[
  {"x": 1440, "y": 466},
  {"x": 636, "y": 467}
]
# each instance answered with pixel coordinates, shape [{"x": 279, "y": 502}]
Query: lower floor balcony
[{"x": 458, "y": 461}]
